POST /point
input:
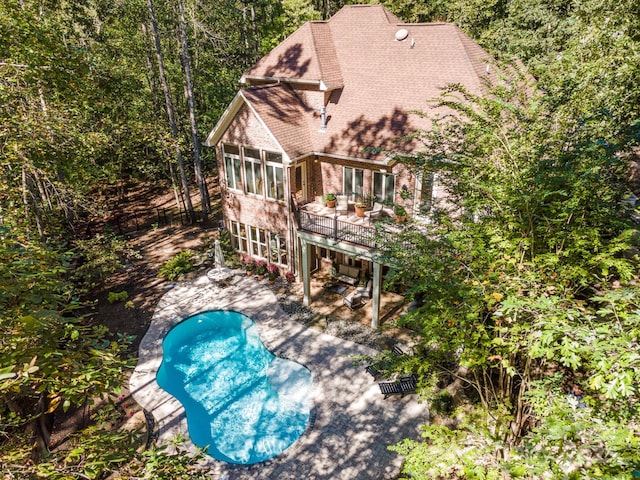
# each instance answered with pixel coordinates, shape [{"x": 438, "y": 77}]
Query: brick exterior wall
[{"x": 247, "y": 130}]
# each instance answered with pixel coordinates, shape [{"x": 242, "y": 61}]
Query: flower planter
[
  {"x": 331, "y": 203},
  {"x": 359, "y": 210}
]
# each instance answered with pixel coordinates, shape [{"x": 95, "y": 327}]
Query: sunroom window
[
  {"x": 252, "y": 170},
  {"x": 231, "y": 155},
  {"x": 275, "y": 183}
]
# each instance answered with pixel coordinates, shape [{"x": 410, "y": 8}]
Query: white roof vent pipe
[
  {"x": 402, "y": 34},
  {"x": 323, "y": 118}
]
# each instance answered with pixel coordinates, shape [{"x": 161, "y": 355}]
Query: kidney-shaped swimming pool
[{"x": 241, "y": 401}]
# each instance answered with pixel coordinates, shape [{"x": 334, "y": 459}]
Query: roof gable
[{"x": 306, "y": 55}]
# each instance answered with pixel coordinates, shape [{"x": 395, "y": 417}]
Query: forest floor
[{"x": 136, "y": 215}]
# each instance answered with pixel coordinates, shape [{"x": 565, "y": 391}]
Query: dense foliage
[{"x": 528, "y": 273}]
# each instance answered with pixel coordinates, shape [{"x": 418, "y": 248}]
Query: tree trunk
[
  {"x": 170, "y": 110},
  {"x": 186, "y": 63},
  {"x": 28, "y": 198}
]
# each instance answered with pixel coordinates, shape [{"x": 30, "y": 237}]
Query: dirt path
[{"x": 155, "y": 245}]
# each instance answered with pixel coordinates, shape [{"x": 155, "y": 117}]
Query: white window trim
[
  {"x": 384, "y": 194},
  {"x": 237, "y": 182},
  {"x": 253, "y": 162},
  {"x": 271, "y": 166},
  {"x": 349, "y": 182}
]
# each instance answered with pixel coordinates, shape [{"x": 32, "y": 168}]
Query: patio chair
[
  {"x": 396, "y": 350},
  {"x": 376, "y": 211},
  {"x": 342, "y": 204},
  {"x": 406, "y": 384},
  {"x": 353, "y": 300},
  {"x": 390, "y": 388},
  {"x": 373, "y": 371}
]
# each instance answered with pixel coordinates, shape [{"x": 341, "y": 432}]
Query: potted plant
[
  {"x": 400, "y": 212},
  {"x": 360, "y": 208},
  {"x": 290, "y": 276},
  {"x": 330, "y": 199},
  {"x": 272, "y": 272},
  {"x": 249, "y": 265},
  {"x": 261, "y": 269}
]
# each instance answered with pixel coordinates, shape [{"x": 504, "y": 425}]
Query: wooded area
[{"x": 529, "y": 294}]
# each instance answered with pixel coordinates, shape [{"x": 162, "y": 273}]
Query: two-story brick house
[{"x": 320, "y": 114}]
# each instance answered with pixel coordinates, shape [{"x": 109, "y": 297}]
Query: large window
[
  {"x": 258, "y": 243},
  {"x": 238, "y": 236},
  {"x": 384, "y": 186},
  {"x": 353, "y": 183},
  {"x": 232, "y": 166},
  {"x": 253, "y": 240},
  {"x": 275, "y": 184},
  {"x": 252, "y": 170}
]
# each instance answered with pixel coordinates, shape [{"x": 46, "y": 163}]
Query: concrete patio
[{"x": 351, "y": 425}]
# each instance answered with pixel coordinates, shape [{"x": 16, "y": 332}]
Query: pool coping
[{"x": 343, "y": 395}]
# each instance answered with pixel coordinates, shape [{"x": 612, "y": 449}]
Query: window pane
[
  {"x": 228, "y": 168},
  {"x": 347, "y": 179},
  {"x": 248, "y": 175},
  {"x": 390, "y": 183},
  {"x": 236, "y": 173},
  {"x": 279, "y": 184},
  {"x": 377, "y": 185},
  {"x": 359, "y": 183},
  {"x": 232, "y": 149},
  {"x": 274, "y": 157},
  {"x": 252, "y": 152},
  {"x": 257, "y": 172},
  {"x": 426, "y": 193}
]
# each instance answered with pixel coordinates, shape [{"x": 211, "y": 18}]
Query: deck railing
[{"x": 332, "y": 227}]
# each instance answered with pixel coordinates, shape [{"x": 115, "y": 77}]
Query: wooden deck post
[
  {"x": 375, "y": 295},
  {"x": 306, "y": 274}
]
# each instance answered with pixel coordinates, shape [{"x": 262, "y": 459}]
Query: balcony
[{"x": 346, "y": 226}]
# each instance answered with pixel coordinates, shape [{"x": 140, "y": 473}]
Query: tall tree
[
  {"x": 527, "y": 278},
  {"x": 186, "y": 63}
]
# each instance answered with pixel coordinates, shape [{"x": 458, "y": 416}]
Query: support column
[
  {"x": 375, "y": 294},
  {"x": 306, "y": 275}
]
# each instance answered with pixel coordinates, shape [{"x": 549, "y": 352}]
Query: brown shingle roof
[
  {"x": 378, "y": 81},
  {"x": 285, "y": 114}
]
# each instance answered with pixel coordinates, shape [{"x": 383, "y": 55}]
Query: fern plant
[{"x": 180, "y": 264}]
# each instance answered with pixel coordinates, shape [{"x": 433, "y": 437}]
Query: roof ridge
[
  {"x": 475, "y": 55},
  {"x": 330, "y": 72}
]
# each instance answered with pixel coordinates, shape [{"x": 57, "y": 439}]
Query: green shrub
[
  {"x": 442, "y": 403},
  {"x": 117, "y": 296},
  {"x": 98, "y": 257},
  {"x": 180, "y": 264}
]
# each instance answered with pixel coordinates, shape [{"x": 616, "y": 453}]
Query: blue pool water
[{"x": 242, "y": 402}]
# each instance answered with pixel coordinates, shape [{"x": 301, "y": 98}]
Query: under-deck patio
[{"x": 330, "y": 303}]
